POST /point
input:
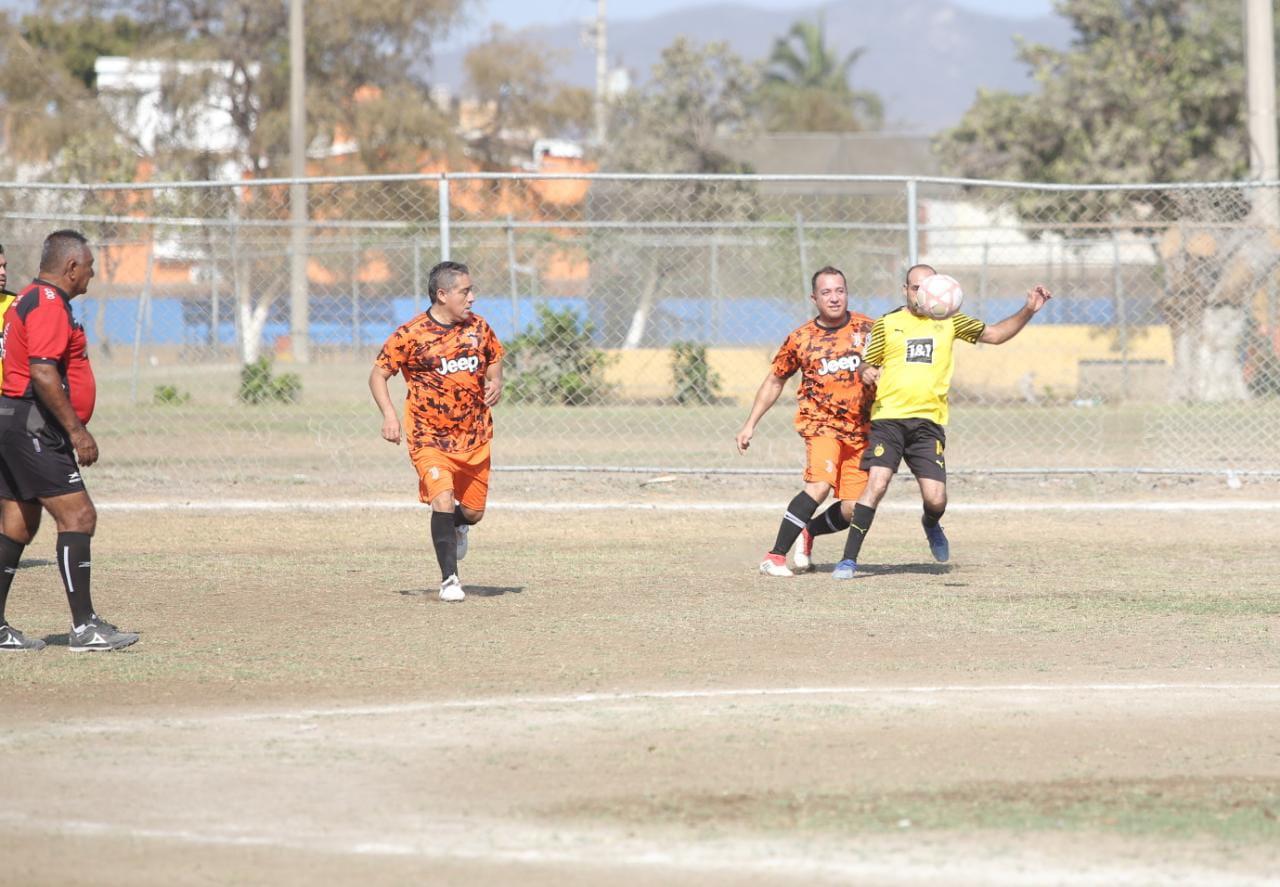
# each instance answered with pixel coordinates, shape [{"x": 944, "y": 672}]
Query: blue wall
[{"x": 747, "y": 321}]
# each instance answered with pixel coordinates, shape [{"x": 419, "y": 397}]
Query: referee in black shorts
[{"x": 46, "y": 398}]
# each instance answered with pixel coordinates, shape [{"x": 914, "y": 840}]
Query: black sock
[
  {"x": 459, "y": 520},
  {"x": 445, "y": 541},
  {"x": 859, "y": 526},
  {"x": 798, "y": 514},
  {"x": 10, "y": 554},
  {"x": 931, "y": 518},
  {"x": 830, "y": 521},
  {"x": 73, "y": 565}
]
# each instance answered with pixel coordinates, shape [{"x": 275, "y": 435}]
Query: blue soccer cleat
[
  {"x": 938, "y": 544},
  {"x": 844, "y": 570}
]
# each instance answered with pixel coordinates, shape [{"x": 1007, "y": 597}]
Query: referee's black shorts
[
  {"x": 37, "y": 460},
  {"x": 920, "y": 441}
]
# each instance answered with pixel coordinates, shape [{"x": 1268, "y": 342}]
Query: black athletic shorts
[
  {"x": 36, "y": 456},
  {"x": 919, "y": 441}
]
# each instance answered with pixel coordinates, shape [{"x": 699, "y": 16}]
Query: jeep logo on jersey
[
  {"x": 848, "y": 362},
  {"x": 458, "y": 365},
  {"x": 919, "y": 350}
]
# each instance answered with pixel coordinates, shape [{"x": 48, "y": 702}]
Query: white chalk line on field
[
  {"x": 271, "y": 505},
  {"x": 896, "y": 860},
  {"x": 889, "y": 693}
]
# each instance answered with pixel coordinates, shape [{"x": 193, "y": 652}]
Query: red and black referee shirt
[{"x": 39, "y": 328}]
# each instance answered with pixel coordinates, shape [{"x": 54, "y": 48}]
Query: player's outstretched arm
[
  {"x": 382, "y": 397},
  {"x": 767, "y": 395},
  {"x": 998, "y": 333}
]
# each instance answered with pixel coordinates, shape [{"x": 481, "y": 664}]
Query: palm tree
[{"x": 806, "y": 89}]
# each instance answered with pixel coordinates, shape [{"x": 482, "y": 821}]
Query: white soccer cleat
[
  {"x": 775, "y": 565},
  {"x": 461, "y": 533},
  {"x": 451, "y": 590},
  {"x": 803, "y": 554}
]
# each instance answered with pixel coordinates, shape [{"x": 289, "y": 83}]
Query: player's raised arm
[
  {"x": 998, "y": 333},
  {"x": 766, "y": 396},
  {"x": 382, "y": 397}
]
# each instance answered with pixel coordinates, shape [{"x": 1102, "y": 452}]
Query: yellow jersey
[
  {"x": 917, "y": 360},
  {"x": 6, "y": 299}
]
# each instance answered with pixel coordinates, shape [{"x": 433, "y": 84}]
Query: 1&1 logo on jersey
[{"x": 919, "y": 350}]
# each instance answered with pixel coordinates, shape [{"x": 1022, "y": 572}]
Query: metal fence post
[
  {"x": 214, "y": 313},
  {"x": 144, "y": 304},
  {"x": 913, "y": 224},
  {"x": 355, "y": 295},
  {"x": 511, "y": 275},
  {"x": 1122, "y": 319},
  {"x": 982, "y": 280},
  {"x": 444, "y": 217},
  {"x": 804, "y": 253},
  {"x": 417, "y": 275}
]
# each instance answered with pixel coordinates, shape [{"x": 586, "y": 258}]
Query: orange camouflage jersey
[
  {"x": 444, "y": 369},
  {"x": 832, "y": 400}
]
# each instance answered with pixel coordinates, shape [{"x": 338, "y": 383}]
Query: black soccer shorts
[
  {"x": 920, "y": 441},
  {"x": 36, "y": 457}
]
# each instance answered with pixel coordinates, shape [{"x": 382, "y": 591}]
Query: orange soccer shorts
[
  {"x": 835, "y": 462},
  {"x": 466, "y": 474}
]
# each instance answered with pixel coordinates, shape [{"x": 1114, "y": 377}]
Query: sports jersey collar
[
  {"x": 53, "y": 286},
  {"x": 848, "y": 316},
  {"x": 445, "y": 326}
]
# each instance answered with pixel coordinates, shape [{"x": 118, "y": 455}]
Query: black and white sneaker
[
  {"x": 16, "y": 642},
  {"x": 99, "y": 636}
]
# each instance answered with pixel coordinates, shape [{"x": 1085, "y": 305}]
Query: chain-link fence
[{"x": 642, "y": 311}]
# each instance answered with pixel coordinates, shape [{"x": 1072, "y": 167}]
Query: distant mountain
[{"x": 926, "y": 58}]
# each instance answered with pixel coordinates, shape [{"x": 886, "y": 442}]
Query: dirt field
[{"x": 1084, "y": 696}]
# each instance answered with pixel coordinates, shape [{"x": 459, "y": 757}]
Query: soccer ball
[{"x": 939, "y": 296}]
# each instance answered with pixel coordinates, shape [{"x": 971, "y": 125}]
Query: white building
[{"x": 138, "y": 94}]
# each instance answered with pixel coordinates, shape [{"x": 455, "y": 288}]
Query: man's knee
[
  {"x": 79, "y": 517},
  {"x": 471, "y": 515},
  {"x": 443, "y": 502},
  {"x": 817, "y": 490},
  {"x": 877, "y": 485}
]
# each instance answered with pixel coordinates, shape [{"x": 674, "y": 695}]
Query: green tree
[
  {"x": 1148, "y": 91},
  {"x": 695, "y": 96},
  {"x": 806, "y": 87},
  {"x": 677, "y": 122},
  {"x": 77, "y": 42},
  {"x": 513, "y": 77},
  {"x": 376, "y": 47}
]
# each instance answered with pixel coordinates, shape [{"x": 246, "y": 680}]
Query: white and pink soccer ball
[{"x": 939, "y": 296}]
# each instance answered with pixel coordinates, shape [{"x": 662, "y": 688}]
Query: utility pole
[
  {"x": 1259, "y": 41},
  {"x": 602, "y": 73},
  {"x": 299, "y": 301}
]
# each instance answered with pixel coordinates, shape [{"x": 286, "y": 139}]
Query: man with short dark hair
[
  {"x": 452, "y": 366},
  {"x": 49, "y": 394},
  {"x": 832, "y": 416}
]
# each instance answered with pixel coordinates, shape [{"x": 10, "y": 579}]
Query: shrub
[
  {"x": 695, "y": 382},
  {"x": 554, "y": 362},
  {"x": 258, "y": 385},
  {"x": 169, "y": 395}
]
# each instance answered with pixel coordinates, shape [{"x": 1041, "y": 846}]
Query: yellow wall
[{"x": 1052, "y": 352}]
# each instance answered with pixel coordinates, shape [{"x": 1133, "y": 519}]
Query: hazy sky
[{"x": 519, "y": 13}]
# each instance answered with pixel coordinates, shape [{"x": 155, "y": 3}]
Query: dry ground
[{"x": 1085, "y": 696}]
